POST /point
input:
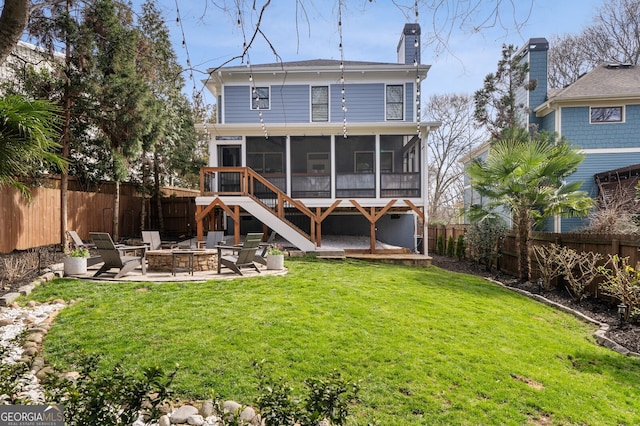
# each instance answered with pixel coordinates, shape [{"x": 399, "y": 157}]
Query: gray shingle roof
[{"x": 604, "y": 81}]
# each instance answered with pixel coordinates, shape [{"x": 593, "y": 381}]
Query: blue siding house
[
  {"x": 599, "y": 113},
  {"x": 319, "y": 147}
]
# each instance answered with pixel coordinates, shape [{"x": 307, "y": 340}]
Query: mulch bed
[{"x": 627, "y": 335}]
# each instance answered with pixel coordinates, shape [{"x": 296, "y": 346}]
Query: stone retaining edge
[{"x": 600, "y": 334}]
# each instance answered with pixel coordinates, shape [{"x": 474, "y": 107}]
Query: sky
[{"x": 371, "y": 31}]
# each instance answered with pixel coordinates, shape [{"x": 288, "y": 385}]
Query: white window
[
  {"x": 606, "y": 114},
  {"x": 260, "y": 98},
  {"x": 320, "y": 103},
  {"x": 395, "y": 102}
]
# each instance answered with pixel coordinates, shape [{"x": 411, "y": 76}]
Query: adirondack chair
[
  {"x": 245, "y": 254},
  {"x": 214, "y": 238},
  {"x": 77, "y": 241},
  {"x": 153, "y": 242},
  {"x": 112, "y": 257},
  {"x": 261, "y": 255}
]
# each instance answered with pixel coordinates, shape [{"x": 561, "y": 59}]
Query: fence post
[{"x": 615, "y": 247}]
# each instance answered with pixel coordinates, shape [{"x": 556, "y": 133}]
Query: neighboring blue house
[
  {"x": 318, "y": 147},
  {"x": 599, "y": 113}
]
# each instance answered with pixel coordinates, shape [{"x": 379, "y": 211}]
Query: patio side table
[{"x": 189, "y": 254}]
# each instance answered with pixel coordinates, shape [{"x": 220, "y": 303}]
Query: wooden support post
[
  {"x": 236, "y": 225},
  {"x": 372, "y": 230},
  {"x": 199, "y": 227}
]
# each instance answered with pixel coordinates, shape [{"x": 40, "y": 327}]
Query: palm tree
[
  {"x": 527, "y": 174},
  {"x": 28, "y": 137}
]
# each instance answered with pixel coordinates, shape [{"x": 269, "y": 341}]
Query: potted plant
[
  {"x": 275, "y": 257},
  {"x": 75, "y": 263}
]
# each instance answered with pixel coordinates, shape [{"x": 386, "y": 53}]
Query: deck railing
[{"x": 243, "y": 181}]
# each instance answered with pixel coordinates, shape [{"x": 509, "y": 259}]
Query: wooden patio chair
[
  {"x": 152, "y": 240},
  {"x": 112, "y": 257},
  {"x": 245, "y": 254}
]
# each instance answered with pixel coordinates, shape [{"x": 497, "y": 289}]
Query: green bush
[
  {"x": 451, "y": 246},
  {"x": 440, "y": 245},
  {"x": 327, "y": 398},
  {"x": 484, "y": 239},
  {"x": 113, "y": 398},
  {"x": 461, "y": 247}
]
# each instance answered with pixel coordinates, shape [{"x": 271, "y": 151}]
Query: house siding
[
  {"x": 577, "y": 128},
  {"x": 291, "y": 104},
  {"x": 592, "y": 165},
  {"x": 364, "y": 102},
  {"x": 409, "y": 102},
  {"x": 287, "y": 104}
]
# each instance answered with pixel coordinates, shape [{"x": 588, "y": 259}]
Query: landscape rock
[
  {"x": 196, "y": 420},
  {"x": 182, "y": 414}
]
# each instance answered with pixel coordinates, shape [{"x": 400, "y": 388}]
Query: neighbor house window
[
  {"x": 320, "y": 103},
  {"x": 260, "y": 98},
  {"x": 395, "y": 102},
  {"x": 606, "y": 114}
]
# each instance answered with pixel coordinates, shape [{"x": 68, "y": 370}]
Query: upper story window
[
  {"x": 260, "y": 98},
  {"x": 395, "y": 102},
  {"x": 606, "y": 114},
  {"x": 320, "y": 103}
]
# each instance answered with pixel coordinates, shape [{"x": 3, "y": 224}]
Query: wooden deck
[{"x": 406, "y": 259}]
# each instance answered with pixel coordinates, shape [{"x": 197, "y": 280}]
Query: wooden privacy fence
[
  {"x": 622, "y": 245},
  {"x": 605, "y": 244},
  {"x": 444, "y": 231},
  {"x": 26, "y": 225}
]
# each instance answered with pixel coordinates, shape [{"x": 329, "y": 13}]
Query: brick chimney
[{"x": 409, "y": 45}]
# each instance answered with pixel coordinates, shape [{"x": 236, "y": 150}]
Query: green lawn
[{"x": 427, "y": 346}]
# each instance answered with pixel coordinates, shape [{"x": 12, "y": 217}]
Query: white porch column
[
  {"x": 333, "y": 166},
  {"x": 424, "y": 169},
  {"x": 287, "y": 150},
  {"x": 377, "y": 168}
]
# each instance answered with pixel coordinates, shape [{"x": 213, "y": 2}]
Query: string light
[
  {"x": 416, "y": 60},
  {"x": 197, "y": 95},
  {"x": 255, "y": 94},
  {"x": 342, "y": 90}
]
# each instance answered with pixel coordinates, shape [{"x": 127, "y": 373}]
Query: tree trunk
[
  {"x": 13, "y": 21},
  {"x": 157, "y": 192},
  {"x": 116, "y": 212},
  {"x": 523, "y": 226},
  {"x": 66, "y": 148}
]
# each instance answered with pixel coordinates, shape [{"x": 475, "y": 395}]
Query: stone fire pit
[{"x": 162, "y": 260}]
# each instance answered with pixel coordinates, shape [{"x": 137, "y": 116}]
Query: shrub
[
  {"x": 327, "y": 398},
  {"x": 484, "y": 239},
  {"x": 440, "y": 245},
  {"x": 622, "y": 281},
  {"x": 579, "y": 270},
  {"x": 113, "y": 398},
  {"x": 548, "y": 263},
  {"x": 451, "y": 249},
  {"x": 460, "y": 247}
]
